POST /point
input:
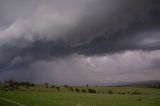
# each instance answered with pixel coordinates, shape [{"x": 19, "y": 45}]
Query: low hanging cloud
[
  {"x": 80, "y": 70},
  {"x": 84, "y": 32}
]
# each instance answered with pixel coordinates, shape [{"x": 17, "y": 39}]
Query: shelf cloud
[{"x": 79, "y": 41}]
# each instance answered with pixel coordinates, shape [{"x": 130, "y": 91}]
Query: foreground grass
[
  {"x": 34, "y": 98},
  {"x": 4, "y": 103}
]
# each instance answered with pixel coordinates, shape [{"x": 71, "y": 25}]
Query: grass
[
  {"x": 125, "y": 89},
  {"x": 4, "y": 103},
  {"x": 50, "y": 97}
]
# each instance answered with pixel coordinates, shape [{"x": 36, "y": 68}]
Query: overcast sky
[{"x": 80, "y": 41}]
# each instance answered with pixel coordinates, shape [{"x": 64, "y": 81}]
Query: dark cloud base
[{"x": 100, "y": 30}]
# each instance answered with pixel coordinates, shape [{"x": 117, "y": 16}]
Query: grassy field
[
  {"x": 124, "y": 89},
  {"x": 41, "y": 96},
  {"x": 4, "y": 103}
]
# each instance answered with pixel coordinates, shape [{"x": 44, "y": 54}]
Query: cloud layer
[
  {"x": 80, "y": 70},
  {"x": 49, "y": 33}
]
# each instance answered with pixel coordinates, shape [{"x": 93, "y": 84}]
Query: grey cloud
[
  {"x": 81, "y": 70},
  {"x": 33, "y": 31},
  {"x": 78, "y": 22}
]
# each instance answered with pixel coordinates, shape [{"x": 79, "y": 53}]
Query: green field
[{"x": 41, "y": 96}]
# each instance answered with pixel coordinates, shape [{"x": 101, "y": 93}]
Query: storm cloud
[{"x": 66, "y": 39}]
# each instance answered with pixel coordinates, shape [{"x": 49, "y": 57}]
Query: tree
[
  {"x": 0, "y": 83},
  {"x": 77, "y": 90},
  {"x": 11, "y": 83},
  {"x": 32, "y": 85},
  {"x": 91, "y": 91},
  {"x": 27, "y": 84},
  {"x": 70, "y": 88},
  {"x": 53, "y": 86},
  {"x": 83, "y": 90},
  {"x": 57, "y": 88},
  {"x": 46, "y": 85},
  {"x": 66, "y": 86}
]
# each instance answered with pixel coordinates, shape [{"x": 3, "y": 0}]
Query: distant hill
[{"x": 150, "y": 83}]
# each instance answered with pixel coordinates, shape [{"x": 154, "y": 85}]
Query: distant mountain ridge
[{"x": 149, "y": 83}]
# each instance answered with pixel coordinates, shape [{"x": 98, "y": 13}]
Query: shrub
[
  {"x": 91, "y": 91},
  {"x": 123, "y": 93},
  {"x": 128, "y": 92},
  {"x": 139, "y": 99},
  {"x": 53, "y": 86},
  {"x": 136, "y": 93},
  {"x": 71, "y": 89},
  {"x": 102, "y": 92},
  {"x": 98, "y": 92},
  {"x": 83, "y": 90},
  {"x": 77, "y": 90},
  {"x": 110, "y": 92}
]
